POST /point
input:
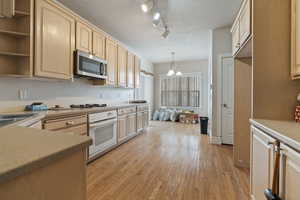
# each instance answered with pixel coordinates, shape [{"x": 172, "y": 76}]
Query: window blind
[{"x": 181, "y": 91}]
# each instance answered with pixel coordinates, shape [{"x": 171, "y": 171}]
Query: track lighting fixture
[
  {"x": 157, "y": 19},
  {"x": 147, "y": 6}
]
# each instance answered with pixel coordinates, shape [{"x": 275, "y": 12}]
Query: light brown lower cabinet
[
  {"x": 131, "y": 121},
  {"x": 122, "y": 130},
  {"x": 262, "y": 166},
  {"x": 145, "y": 119},
  {"x": 140, "y": 121},
  {"x": 126, "y": 127},
  {"x": 62, "y": 179},
  {"x": 290, "y": 174},
  {"x": 262, "y": 163}
]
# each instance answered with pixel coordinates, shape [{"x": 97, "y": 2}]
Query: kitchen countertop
[
  {"x": 287, "y": 132},
  {"x": 24, "y": 149},
  {"x": 50, "y": 114}
]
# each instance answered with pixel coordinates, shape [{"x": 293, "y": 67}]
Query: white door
[{"x": 227, "y": 107}]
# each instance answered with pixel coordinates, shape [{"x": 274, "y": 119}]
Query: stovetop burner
[{"x": 88, "y": 105}]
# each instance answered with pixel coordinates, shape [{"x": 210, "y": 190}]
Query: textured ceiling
[{"x": 189, "y": 22}]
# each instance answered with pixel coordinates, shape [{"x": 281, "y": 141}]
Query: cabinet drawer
[
  {"x": 64, "y": 122},
  {"x": 76, "y": 130},
  {"x": 142, "y": 108},
  {"x": 126, "y": 110}
]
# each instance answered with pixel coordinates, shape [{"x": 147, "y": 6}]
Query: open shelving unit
[{"x": 16, "y": 41}]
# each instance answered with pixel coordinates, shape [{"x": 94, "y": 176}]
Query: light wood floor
[{"x": 169, "y": 162}]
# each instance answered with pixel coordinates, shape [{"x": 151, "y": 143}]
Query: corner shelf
[
  {"x": 14, "y": 33},
  {"x": 5, "y": 53},
  {"x": 19, "y": 13}
]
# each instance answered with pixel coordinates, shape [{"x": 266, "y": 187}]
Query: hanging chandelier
[{"x": 172, "y": 71}]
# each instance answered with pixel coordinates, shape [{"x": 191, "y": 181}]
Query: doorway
[{"x": 227, "y": 99}]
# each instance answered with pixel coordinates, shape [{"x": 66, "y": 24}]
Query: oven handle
[{"x": 100, "y": 124}]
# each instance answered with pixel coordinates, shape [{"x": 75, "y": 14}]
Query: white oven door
[{"x": 104, "y": 135}]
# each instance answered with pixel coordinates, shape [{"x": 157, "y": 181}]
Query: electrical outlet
[
  {"x": 100, "y": 96},
  {"x": 23, "y": 94}
]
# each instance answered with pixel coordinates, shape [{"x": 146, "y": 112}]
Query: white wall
[
  {"x": 184, "y": 67},
  {"x": 221, "y": 44},
  {"x": 57, "y": 92},
  {"x": 61, "y": 92}
]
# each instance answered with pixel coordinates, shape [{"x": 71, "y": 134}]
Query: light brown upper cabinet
[
  {"x": 137, "y": 71},
  {"x": 7, "y": 8},
  {"x": 54, "y": 41},
  {"x": 130, "y": 70},
  {"x": 241, "y": 29},
  {"x": 122, "y": 63},
  {"x": 235, "y": 31},
  {"x": 295, "y": 52},
  {"x": 83, "y": 37},
  {"x": 112, "y": 61},
  {"x": 16, "y": 38},
  {"x": 245, "y": 22},
  {"x": 99, "y": 45}
]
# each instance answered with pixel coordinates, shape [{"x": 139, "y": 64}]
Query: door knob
[{"x": 225, "y": 105}]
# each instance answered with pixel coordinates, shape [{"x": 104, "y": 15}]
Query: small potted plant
[{"x": 297, "y": 112}]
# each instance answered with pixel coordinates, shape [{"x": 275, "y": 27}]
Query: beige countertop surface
[
  {"x": 61, "y": 113},
  {"x": 287, "y": 132},
  {"x": 24, "y": 149}
]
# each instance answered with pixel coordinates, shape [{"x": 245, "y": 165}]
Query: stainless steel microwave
[{"x": 90, "y": 66}]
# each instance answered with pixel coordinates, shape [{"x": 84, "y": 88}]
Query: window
[{"x": 183, "y": 91}]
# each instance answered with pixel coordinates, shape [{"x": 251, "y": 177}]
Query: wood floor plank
[{"x": 169, "y": 162}]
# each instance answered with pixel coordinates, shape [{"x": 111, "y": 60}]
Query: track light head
[
  {"x": 156, "y": 15},
  {"x": 156, "y": 22},
  {"x": 166, "y": 33},
  {"x": 147, "y": 6}
]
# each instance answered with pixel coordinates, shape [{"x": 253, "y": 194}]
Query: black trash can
[{"x": 203, "y": 125}]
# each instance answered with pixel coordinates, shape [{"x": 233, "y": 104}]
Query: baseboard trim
[{"x": 215, "y": 140}]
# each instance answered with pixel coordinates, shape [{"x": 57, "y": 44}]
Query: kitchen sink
[{"x": 12, "y": 118}]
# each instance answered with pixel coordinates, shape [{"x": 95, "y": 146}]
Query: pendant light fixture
[
  {"x": 178, "y": 73},
  {"x": 172, "y": 71}
]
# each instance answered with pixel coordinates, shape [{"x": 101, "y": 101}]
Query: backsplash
[{"x": 16, "y": 93}]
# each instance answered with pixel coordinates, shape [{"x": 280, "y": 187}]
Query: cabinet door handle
[
  {"x": 70, "y": 123},
  {"x": 271, "y": 143}
]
